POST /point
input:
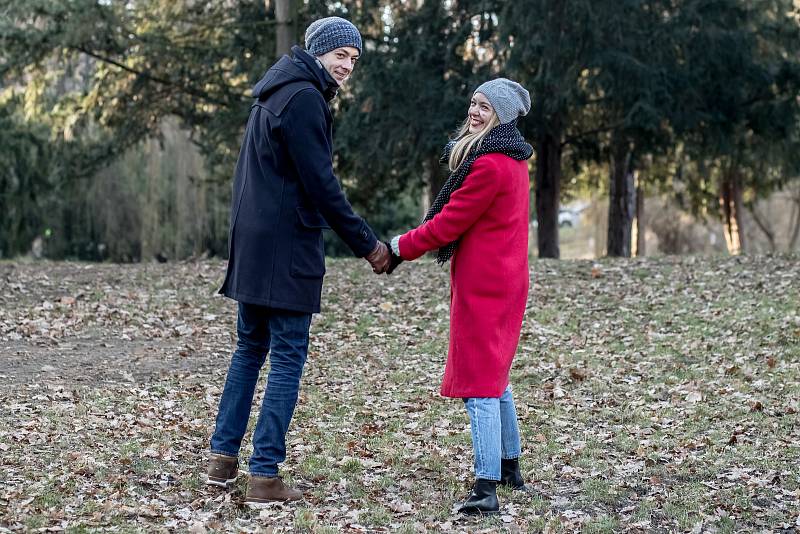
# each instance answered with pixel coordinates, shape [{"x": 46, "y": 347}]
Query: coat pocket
[
  {"x": 311, "y": 219},
  {"x": 308, "y": 249}
]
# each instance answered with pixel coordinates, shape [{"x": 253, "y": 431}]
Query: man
[{"x": 284, "y": 194}]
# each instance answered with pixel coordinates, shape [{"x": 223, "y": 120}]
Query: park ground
[{"x": 655, "y": 394}]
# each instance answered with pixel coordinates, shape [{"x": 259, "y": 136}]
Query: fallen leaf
[
  {"x": 577, "y": 374},
  {"x": 694, "y": 396}
]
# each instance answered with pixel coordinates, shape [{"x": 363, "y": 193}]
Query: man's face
[{"x": 340, "y": 63}]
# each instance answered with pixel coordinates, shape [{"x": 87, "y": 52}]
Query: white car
[{"x": 568, "y": 218}]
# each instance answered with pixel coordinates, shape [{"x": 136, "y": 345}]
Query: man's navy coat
[{"x": 285, "y": 192}]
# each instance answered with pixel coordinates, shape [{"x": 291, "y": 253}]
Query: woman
[{"x": 480, "y": 219}]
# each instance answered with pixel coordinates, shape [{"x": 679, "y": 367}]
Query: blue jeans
[
  {"x": 284, "y": 334},
  {"x": 495, "y": 433}
]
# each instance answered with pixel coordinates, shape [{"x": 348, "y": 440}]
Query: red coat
[{"x": 488, "y": 273}]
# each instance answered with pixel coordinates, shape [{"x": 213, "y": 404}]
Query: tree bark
[
  {"x": 284, "y": 31},
  {"x": 730, "y": 200},
  {"x": 547, "y": 192},
  {"x": 621, "y": 201},
  {"x": 764, "y": 226},
  {"x": 738, "y": 202},
  {"x": 794, "y": 228},
  {"x": 641, "y": 222},
  {"x": 795, "y": 233}
]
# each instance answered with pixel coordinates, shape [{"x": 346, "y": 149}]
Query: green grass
[
  {"x": 601, "y": 525},
  {"x": 599, "y": 490},
  {"x": 371, "y": 430},
  {"x": 305, "y": 520}
]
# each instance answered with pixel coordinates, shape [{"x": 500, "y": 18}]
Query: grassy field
[{"x": 653, "y": 395}]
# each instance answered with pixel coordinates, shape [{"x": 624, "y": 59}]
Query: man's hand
[
  {"x": 394, "y": 260},
  {"x": 379, "y": 258}
]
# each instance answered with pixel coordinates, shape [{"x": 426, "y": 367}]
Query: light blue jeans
[{"x": 495, "y": 433}]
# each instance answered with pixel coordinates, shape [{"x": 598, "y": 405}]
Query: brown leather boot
[
  {"x": 263, "y": 490},
  {"x": 222, "y": 470}
]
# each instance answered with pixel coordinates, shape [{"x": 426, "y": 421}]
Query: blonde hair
[{"x": 466, "y": 141}]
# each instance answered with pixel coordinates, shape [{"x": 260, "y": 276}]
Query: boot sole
[
  {"x": 267, "y": 504},
  {"x": 497, "y": 512},
  {"x": 220, "y": 483}
]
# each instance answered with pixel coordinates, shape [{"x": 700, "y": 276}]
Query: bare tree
[
  {"x": 621, "y": 201},
  {"x": 641, "y": 222},
  {"x": 764, "y": 225},
  {"x": 730, "y": 201},
  {"x": 794, "y": 228}
]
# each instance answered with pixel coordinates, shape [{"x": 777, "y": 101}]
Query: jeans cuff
[
  {"x": 511, "y": 457},
  {"x": 225, "y": 453},
  {"x": 484, "y": 476}
]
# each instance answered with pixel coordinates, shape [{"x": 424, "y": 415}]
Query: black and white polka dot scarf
[{"x": 505, "y": 139}]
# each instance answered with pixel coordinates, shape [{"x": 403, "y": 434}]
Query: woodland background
[{"x": 673, "y": 122}]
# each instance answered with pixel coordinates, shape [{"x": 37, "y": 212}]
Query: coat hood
[{"x": 301, "y": 67}]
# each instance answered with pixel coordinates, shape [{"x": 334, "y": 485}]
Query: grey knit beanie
[
  {"x": 330, "y": 33},
  {"x": 509, "y": 99}
]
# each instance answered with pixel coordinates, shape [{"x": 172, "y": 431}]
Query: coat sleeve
[
  {"x": 466, "y": 205},
  {"x": 305, "y": 134}
]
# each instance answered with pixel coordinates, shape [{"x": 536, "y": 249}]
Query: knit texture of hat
[
  {"x": 330, "y": 33},
  {"x": 509, "y": 99}
]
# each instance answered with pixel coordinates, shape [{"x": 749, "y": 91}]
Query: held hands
[
  {"x": 380, "y": 258},
  {"x": 395, "y": 260}
]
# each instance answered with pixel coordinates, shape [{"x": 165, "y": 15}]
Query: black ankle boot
[
  {"x": 510, "y": 474},
  {"x": 482, "y": 499}
]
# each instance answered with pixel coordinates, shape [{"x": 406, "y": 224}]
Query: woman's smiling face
[{"x": 480, "y": 113}]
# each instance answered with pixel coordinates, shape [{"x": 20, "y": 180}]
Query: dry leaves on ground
[{"x": 653, "y": 395}]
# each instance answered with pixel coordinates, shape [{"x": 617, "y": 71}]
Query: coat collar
[{"x": 325, "y": 82}]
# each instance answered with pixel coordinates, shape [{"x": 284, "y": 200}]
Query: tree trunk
[
  {"x": 547, "y": 192},
  {"x": 730, "y": 200},
  {"x": 284, "y": 30},
  {"x": 763, "y": 225},
  {"x": 621, "y": 201},
  {"x": 738, "y": 202},
  {"x": 641, "y": 222},
  {"x": 794, "y": 227}
]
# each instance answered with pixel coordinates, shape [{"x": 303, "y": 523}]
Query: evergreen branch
[
  {"x": 573, "y": 138},
  {"x": 182, "y": 87}
]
